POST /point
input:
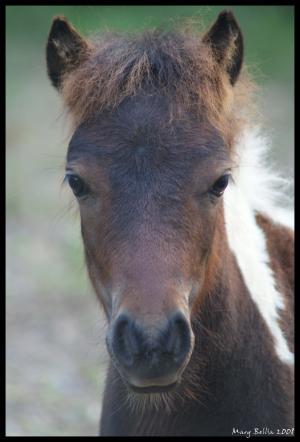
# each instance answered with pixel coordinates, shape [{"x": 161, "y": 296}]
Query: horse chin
[
  {"x": 154, "y": 398},
  {"x": 150, "y": 389}
]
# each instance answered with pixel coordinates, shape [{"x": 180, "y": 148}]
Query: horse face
[
  {"x": 149, "y": 186},
  {"x": 149, "y": 192}
]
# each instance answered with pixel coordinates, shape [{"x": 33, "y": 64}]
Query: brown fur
[
  {"x": 118, "y": 66},
  {"x": 280, "y": 244}
]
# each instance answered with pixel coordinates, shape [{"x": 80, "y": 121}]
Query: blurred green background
[{"x": 56, "y": 358}]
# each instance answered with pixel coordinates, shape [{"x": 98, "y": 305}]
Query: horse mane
[
  {"x": 175, "y": 62},
  {"x": 260, "y": 182}
]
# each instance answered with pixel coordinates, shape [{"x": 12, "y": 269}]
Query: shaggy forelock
[{"x": 173, "y": 63}]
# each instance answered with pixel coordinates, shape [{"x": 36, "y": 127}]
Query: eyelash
[
  {"x": 220, "y": 185},
  {"x": 78, "y": 186}
]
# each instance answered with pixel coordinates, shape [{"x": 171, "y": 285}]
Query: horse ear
[
  {"x": 64, "y": 51},
  {"x": 226, "y": 40}
]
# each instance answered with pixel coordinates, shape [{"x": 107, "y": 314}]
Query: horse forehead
[
  {"x": 149, "y": 117},
  {"x": 142, "y": 125},
  {"x": 147, "y": 105}
]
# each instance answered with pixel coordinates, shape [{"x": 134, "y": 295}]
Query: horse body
[{"x": 197, "y": 286}]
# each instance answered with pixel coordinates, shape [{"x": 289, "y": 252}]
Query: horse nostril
[
  {"x": 178, "y": 337},
  {"x": 125, "y": 341}
]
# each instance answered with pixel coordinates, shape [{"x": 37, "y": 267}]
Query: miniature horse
[{"x": 189, "y": 255}]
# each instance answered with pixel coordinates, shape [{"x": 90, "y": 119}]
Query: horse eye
[
  {"x": 77, "y": 185},
  {"x": 220, "y": 185}
]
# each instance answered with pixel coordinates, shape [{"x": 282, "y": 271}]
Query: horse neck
[
  {"x": 223, "y": 326},
  {"x": 223, "y": 301},
  {"x": 222, "y": 276}
]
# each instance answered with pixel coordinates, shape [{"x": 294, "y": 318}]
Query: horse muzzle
[{"x": 150, "y": 358}]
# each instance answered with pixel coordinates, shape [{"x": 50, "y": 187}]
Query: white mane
[
  {"x": 265, "y": 189},
  {"x": 256, "y": 187}
]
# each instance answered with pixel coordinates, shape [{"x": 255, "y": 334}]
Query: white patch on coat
[{"x": 256, "y": 188}]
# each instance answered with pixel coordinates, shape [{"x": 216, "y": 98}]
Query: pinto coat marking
[{"x": 247, "y": 239}]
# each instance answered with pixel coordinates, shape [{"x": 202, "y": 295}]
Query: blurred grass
[
  {"x": 268, "y": 30},
  {"x": 55, "y": 354}
]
